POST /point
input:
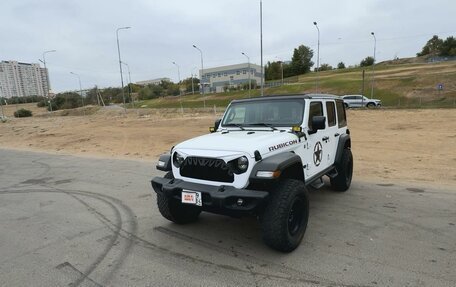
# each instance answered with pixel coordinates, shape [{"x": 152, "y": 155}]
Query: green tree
[
  {"x": 368, "y": 61},
  {"x": 448, "y": 47},
  {"x": 187, "y": 84},
  {"x": 325, "y": 67},
  {"x": 341, "y": 65},
  {"x": 432, "y": 47},
  {"x": 273, "y": 71},
  {"x": 301, "y": 62}
]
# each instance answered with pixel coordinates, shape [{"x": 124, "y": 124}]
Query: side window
[
  {"x": 331, "y": 111},
  {"x": 315, "y": 109},
  {"x": 341, "y": 118}
]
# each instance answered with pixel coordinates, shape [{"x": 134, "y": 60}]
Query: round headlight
[
  {"x": 242, "y": 163},
  {"x": 177, "y": 159}
]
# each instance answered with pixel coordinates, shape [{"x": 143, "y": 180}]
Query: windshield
[{"x": 279, "y": 113}]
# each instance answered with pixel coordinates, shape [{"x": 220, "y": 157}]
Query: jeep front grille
[{"x": 206, "y": 169}]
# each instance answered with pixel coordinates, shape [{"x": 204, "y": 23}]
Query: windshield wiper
[
  {"x": 264, "y": 125},
  {"x": 235, "y": 125}
]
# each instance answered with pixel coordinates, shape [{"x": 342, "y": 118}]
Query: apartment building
[{"x": 22, "y": 79}]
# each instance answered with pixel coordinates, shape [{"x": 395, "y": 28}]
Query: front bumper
[{"x": 216, "y": 199}]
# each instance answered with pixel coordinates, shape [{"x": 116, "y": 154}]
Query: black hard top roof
[{"x": 290, "y": 96}]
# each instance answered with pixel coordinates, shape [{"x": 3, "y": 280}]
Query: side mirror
[
  {"x": 216, "y": 126},
  {"x": 318, "y": 123}
]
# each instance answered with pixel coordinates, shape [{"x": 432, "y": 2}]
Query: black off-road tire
[
  {"x": 370, "y": 105},
  {"x": 174, "y": 210},
  {"x": 345, "y": 172},
  {"x": 284, "y": 220}
]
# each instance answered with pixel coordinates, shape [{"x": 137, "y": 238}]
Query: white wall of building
[{"x": 217, "y": 78}]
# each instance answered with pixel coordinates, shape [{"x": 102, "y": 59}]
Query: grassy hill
[{"x": 404, "y": 83}]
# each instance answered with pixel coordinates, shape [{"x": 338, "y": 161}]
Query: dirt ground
[{"x": 388, "y": 145}]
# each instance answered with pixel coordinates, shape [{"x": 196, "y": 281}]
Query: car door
[
  {"x": 331, "y": 132},
  {"x": 316, "y": 152}
]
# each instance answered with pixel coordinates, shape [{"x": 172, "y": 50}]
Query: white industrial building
[
  {"x": 153, "y": 82},
  {"x": 22, "y": 79},
  {"x": 218, "y": 79}
]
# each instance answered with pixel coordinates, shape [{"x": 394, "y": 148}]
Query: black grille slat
[{"x": 212, "y": 169}]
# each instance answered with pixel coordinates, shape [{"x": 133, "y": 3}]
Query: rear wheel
[
  {"x": 284, "y": 220},
  {"x": 174, "y": 210},
  {"x": 345, "y": 172}
]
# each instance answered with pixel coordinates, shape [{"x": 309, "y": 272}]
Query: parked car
[{"x": 358, "y": 101}]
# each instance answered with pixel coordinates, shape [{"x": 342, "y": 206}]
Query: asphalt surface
[{"x": 75, "y": 221}]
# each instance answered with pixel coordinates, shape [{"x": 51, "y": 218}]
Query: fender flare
[
  {"x": 280, "y": 162},
  {"x": 166, "y": 158},
  {"x": 344, "y": 141}
]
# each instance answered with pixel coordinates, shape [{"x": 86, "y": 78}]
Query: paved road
[{"x": 74, "y": 221}]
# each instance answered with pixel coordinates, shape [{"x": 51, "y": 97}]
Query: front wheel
[
  {"x": 345, "y": 172},
  {"x": 176, "y": 211},
  {"x": 284, "y": 220},
  {"x": 371, "y": 105}
]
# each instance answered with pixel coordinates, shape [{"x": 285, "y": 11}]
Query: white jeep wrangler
[{"x": 259, "y": 160}]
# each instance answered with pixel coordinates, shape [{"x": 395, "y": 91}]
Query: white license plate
[{"x": 192, "y": 197}]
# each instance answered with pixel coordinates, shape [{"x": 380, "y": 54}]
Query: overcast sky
[{"x": 84, "y": 33}]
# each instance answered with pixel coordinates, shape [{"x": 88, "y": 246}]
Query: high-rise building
[{"x": 22, "y": 79}]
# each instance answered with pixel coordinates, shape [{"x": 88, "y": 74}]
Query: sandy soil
[{"x": 405, "y": 145}]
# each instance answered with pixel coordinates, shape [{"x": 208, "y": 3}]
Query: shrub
[{"x": 22, "y": 113}]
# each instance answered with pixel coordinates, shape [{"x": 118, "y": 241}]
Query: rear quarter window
[
  {"x": 331, "y": 111},
  {"x": 341, "y": 117}
]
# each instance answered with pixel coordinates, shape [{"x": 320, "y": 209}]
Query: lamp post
[
  {"x": 80, "y": 89},
  {"x": 318, "y": 58},
  {"x": 178, "y": 71},
  {"x": 202, "y": 69},
  {"x": 250, "y": 82},
  {"x": 373, "y": 64},
  {"x": 129, "y": 81},
  {"x": 281, "y": 67},
  {"x": 193, "y": 87},
  {"x": 261, "y": 47},
  {"x": 178, "y": 77},
  {"x": 120, "y": 64},
  {"x": 46, "y": 92}
]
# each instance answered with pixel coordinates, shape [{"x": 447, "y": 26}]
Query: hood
[{"x": 241, "y": 141}]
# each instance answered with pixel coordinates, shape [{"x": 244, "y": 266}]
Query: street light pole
[
  {"x": 120, "y": 64},
  {"x": 129, "y": 81},
  {"x": 261, "y": 47},
  {"x": 193, "y": 87},
  {"x": 178, "y": 71},
  {"x": 373, "y": 64},
  {"x": 80, "y": 89},
  {"x": 46, "y": 93},
  {"x": 202, "y": 69},
  {"x": 318, "y": 58},
  {"x": 281, "y": 66},
  {"x": 250, "y": 82},
  {"x": 178, "y": 77}
]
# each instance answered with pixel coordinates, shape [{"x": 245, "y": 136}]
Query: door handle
[
  {"x": 325, "y": 139},
  {"x": 336, "y": 134}
]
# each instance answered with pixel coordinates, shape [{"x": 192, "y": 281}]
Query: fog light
[
  {"x": 240, "y": 201},
  {"x": 161, "y": 163}
]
